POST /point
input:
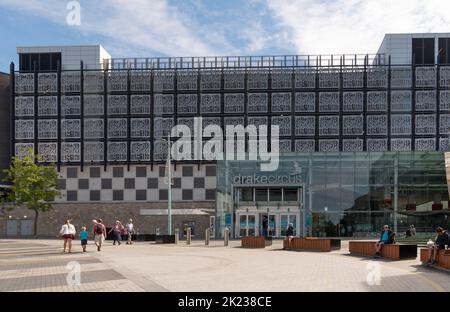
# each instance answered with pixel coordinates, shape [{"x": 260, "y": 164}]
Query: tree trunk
[{"x": 36, "y": 215}]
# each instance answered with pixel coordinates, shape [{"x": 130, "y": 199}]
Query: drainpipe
[{"x": 395, "y": 191}]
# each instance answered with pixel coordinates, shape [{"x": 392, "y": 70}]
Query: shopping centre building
[{"x": 362, "y": 138}]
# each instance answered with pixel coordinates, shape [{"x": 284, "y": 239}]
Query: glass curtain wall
[{"x": 355, "y": 194}]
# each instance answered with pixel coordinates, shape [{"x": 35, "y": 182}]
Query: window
[
  {"x": 444, "y": 51},
  {"x": 423, "y": 51},
  {"x": 55, "y": 59},
  {"x": 290, "y": 195},
  {"x": 246, "y": 194},
  {"x": 261, "y": 195},
  {"x": 275, "y": 195},
  {"x": 34, "y": 61},
  {"x": 43, "y": 61},
  {"x": 24, "y": 62}
]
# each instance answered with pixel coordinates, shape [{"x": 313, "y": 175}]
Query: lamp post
[{"x": 168, "y": 181}]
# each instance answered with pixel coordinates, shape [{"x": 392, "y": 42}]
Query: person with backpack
[
  {"x": 386, "y": 238},
  {"x": 99, "y": 233},
  {"x": 441, "y": 242}
]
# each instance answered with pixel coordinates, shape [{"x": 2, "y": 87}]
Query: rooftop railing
[{"x": 219, "y": 62}]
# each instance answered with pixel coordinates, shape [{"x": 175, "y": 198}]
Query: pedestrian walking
[
  {"x": 116, "y": 231},
  {"x": 68, "y": 233},
  {"x": 99, "y": 233},
  {"x": 84, "y": 238},
  {"x": 130, "y": 231}
]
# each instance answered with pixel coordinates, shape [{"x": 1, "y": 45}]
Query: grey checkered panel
[{"x": 140, "y": 183}]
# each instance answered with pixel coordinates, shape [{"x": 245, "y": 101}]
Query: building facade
[{"x": 102, "y": 123}]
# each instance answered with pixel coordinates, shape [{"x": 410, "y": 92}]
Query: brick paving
[{"x": 28, "y": 265}]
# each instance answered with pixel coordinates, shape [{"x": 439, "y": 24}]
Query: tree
[{"x": 33, "y": 185}]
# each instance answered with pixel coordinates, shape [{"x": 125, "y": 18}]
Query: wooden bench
[
  {"x": 393, "y": 251},
  {"x": 313, "y": 243},
  {"x": 442, "y": 258},
  {"x": 256, "y": 241}
]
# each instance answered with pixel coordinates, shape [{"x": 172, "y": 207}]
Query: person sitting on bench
[
  {"x": 386, "y": 238},
  {"x": 442, "y": 240},
  {"x": 289, "y": 235}
]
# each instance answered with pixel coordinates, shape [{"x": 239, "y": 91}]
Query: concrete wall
[
  {"x": 91, "y": 55},
  {"x": 49, "y": 223},
  {"x": 5, "y": 122},
  {"x": 399, "y": 46}
]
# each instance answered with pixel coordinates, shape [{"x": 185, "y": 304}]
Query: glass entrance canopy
[{"x": 340, "y": 194}]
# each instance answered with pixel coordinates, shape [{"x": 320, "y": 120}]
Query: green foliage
[{"x": 33, "y": 185}]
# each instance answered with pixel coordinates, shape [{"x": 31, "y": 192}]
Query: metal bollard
[
  {"x": 226, "y": 236},
  {"x": 207, "y": 236},
  {"x": 188, "y": 236},
  {"x": 177, "y": 235}
]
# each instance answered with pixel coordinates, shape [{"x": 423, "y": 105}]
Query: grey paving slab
[
  {"x": 31, "y": 282},
  {"x": 196, "y": 267}
]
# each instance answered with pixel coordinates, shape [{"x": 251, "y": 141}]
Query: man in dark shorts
[{"x": 442, "y": 241}]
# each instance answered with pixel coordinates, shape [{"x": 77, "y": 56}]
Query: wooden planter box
[
  {"x": 256, "y": 241},
  {"x": 144, "y": 237},
  {"x": 393, "y": 251},
  {"x": 313, "y": 243},
  {"x": 442, "y": 258},
  {"x": 165, "y": 239}
]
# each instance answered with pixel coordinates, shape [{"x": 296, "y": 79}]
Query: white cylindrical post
[
  {"x": 177, "y": 235},
  {"x": 226, "y": 236},
  {"x": 188, "y": 236},
  {"x": 207, "y": 236}
]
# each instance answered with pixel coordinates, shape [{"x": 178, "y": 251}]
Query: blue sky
[{"x": 139, "y": 28}]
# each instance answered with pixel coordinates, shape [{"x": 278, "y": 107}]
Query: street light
[{"x": 169, "y": 183}]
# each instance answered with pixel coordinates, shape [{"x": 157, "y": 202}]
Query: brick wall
[{"x": 49, "y": 223}]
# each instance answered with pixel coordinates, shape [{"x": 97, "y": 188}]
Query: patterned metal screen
[{"x": 121, "y": 115}]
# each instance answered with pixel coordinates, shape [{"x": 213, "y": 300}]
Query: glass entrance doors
[
  {"x": 247, "y": 225},
  {"x": 266, "y": 224},
  {"x": 286, "y": 219}
]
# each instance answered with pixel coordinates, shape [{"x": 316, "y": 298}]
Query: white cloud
[
  {"x": 151, "y": 25},
  {"x": 354, "y": 26},
  {"x": 193, "y": 28}
]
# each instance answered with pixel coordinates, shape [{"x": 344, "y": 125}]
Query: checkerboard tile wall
[{"x": 140, "y": 183}]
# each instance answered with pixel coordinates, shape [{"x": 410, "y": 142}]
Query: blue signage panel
[
  {"x": 228, "y": 219},
  {"x": 308, "y": 219}
]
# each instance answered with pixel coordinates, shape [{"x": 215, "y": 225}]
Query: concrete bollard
[
  {"x": 177, "y": 235},
  {"x": 207, "y": 237},
  {"x": 226, "y": 236},
  {"x": 188, "y": 236}
]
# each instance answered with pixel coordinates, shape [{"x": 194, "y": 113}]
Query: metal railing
[{"x": 219, "y": 62}]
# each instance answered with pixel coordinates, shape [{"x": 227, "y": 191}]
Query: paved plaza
[{"x": 40, "y": 265}]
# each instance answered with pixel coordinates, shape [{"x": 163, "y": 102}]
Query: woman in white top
[{"x": 68, "y": 233}]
